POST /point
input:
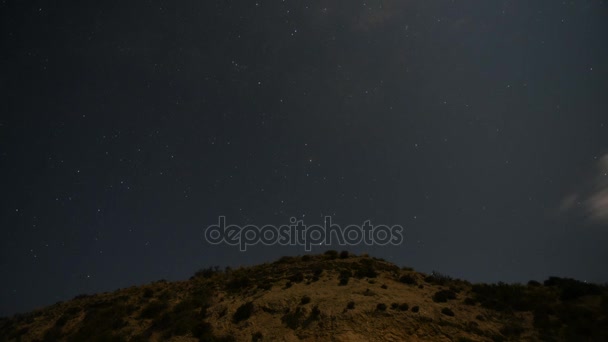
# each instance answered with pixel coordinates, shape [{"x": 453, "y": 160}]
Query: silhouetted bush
[
  {"x": 443, "y": 296},
  {"x": 344, "y": 254},
  {"x": 288, "y": 284},
  {"x": 207, "y": 272},
  {"x": 403, "y": 307},
  {"x": 534, "y": 283},
  {"x": 394, "y": 306},
  {"x": 257, "y": 337},
  {"x": 384, "y": 286},
  {"x": 415, "y": 308},
  {"x": 350, "y": 305},
  {"x": 512, "y": 329},
  {"x": 297, "y": 278},
  {"x": 408, "y": 279},
  {"x": 243, "y": 312},
  {"x": 365, "y": 269},
  {"x": 344, "y": 277},
  {"x": 306, "y": 258},
  {"x": 381, "y": 307},
  {"x": 470, "y": 301},
  {"x": 447, "y": 312},
  {"x": 332, "y": 254},
  {"x": 438, "y": 278},
  {"x": 238, "y": 283},
  {"x": 148, "y": 293},
  {"x": 305, "y": 300},
  {"x": 153, "y": 309}
]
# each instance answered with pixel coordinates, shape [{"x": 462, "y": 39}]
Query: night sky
[{"x": 127, "y": 128}]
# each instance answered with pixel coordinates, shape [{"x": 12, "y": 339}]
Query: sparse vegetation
[
  {"x": 408, "y": 279},
  {"x": 344, "y": 254},
  {"x": 443, "y": 296},
  {"x": 562, "y": 309},
  {"x": 447, "y": 312},
  {"x": 243, "y": 312}
]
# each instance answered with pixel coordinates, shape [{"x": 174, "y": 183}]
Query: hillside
[{"x": 329, "y": 297}]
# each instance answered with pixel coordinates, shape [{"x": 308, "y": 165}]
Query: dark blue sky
[{"x": 481, "y": 127}]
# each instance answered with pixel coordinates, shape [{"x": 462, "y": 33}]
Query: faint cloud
[{"x": 593, "y": 201}]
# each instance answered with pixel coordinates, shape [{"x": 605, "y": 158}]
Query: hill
[{"x": 329, "y": 297}]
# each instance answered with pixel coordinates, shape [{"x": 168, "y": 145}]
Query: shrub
[
  {"x": 403, "y": 307},
  {"x": 344, "y": 276},
  {"x": 288, "y": 284},
  {"x": 296, "y": 278},
  {"x": 207, "y": 272},
  {"x": 394, "y": 306},
  {"x": 243, "y": 312},
  {"x": 534, "y": 283},
  {"x": 306, "y": 258},
  {"x": 305, "y": 300},
  {"x": 408, "y": 279},
  {"x": 381, "y": 307},
  {"x": 512, "y": 330},
  {"x": 314, "y": 313},
  {"x": 443, "y": 296},
  {"x": 384, "y": 286},
  {"x": 238, "y": 283},
  {"x": 470, "y": 301},
  {"x": 153, "y": 309},
  {"x": 257, "y": 337},
  {"x": 344, "y": 254},
  {"x": 350, "y": 305},
  {"x": 415, "y": 308},
  {"x": 438, "y": 278},
  {"x": 332, "y": 254},
  {"x": 365, "y": 269},
  {"x": 447, "y": 312}
]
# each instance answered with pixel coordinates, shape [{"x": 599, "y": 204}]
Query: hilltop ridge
[{"x": 329, "y": 297}]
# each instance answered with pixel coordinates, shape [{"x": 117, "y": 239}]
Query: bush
[
  {"x": 344, "y": 277},
  {"x": 305, "y": 300},
  {"x": 148, "y": 293},
  {"x": 381, "y": 307},
  {"x": 512, "y": 330},
  {"x": 288, "y": 284},
  {"x": 365, "y": 269},
  {"x": 394, "y": 306},
  {"x": 243, "y": 312},
  {"x": 257, "y": 337},
  {"x": 296, "y": 278},
  {"x": 443, "y": 296},
  {"x": 404, "y": 307},
  {"x": 153, "y": 309},
  {"x": 306, "y": 258},
  {"x": 332, "y": 254},
  {"x": 207, "y": 272},
  {"x": 415, "y": 308},
  {"x": 350, "y": 305},
  {"x": 384, "y": 286},
  {"x": 470, "y": 301},
  {"x": 447, "y": 312},
  {"x": 238, "y": 283},
  {"x": 534, "y": 283},
  {"x": 344, "y": 254},
  {"x": 408, "y": 279}
]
